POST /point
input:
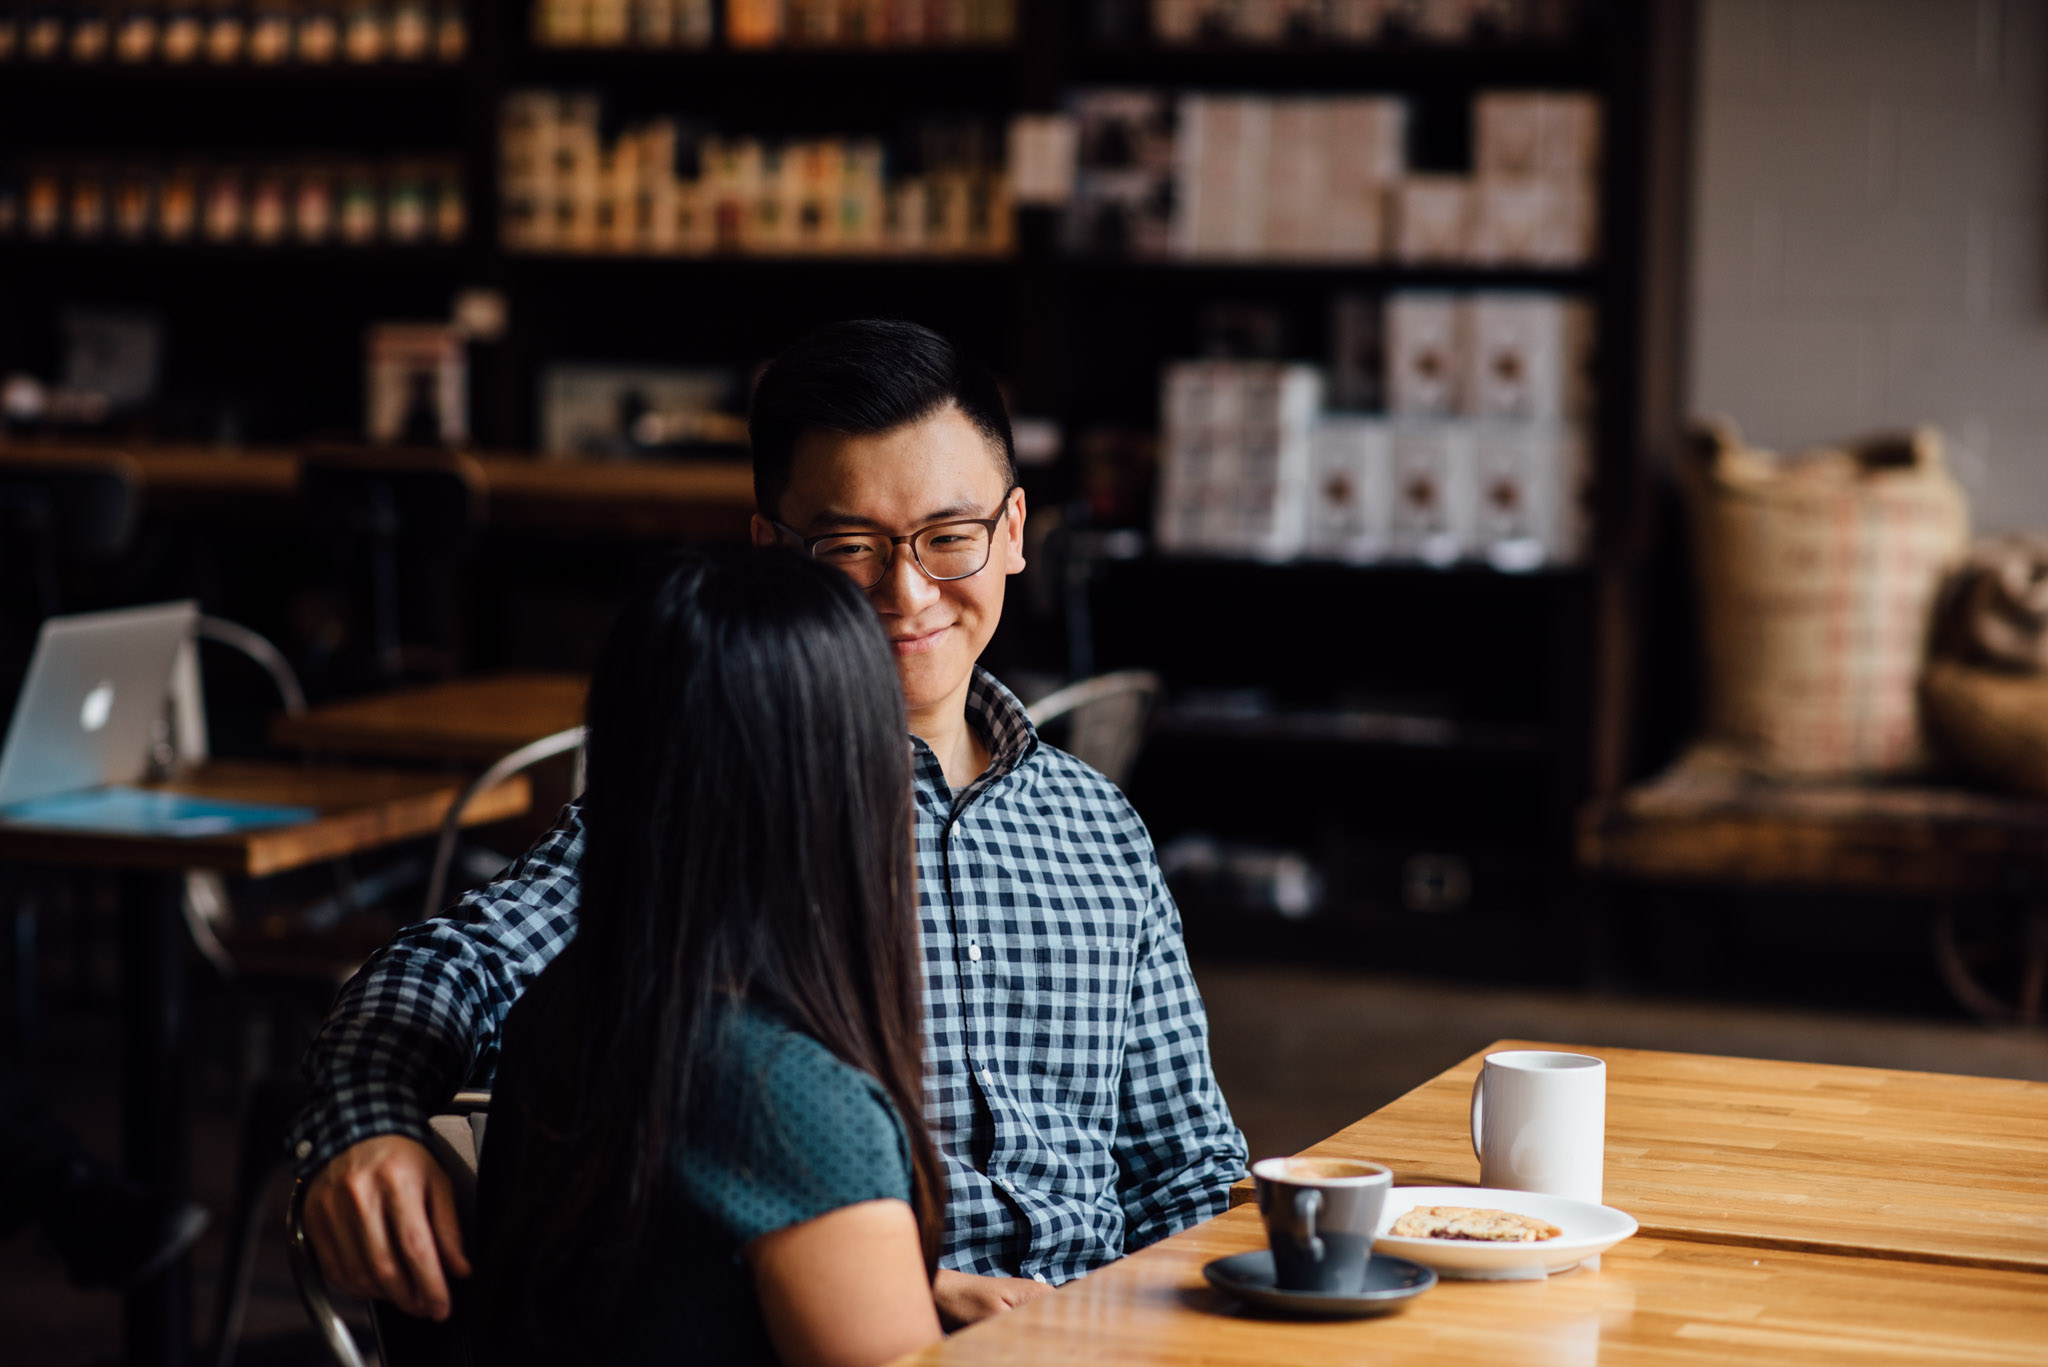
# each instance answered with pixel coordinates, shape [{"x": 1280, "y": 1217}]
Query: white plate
[{"x": 1585, "y": 1231}]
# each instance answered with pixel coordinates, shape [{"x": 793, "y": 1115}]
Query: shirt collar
[{"x": 1001, "y": 722}]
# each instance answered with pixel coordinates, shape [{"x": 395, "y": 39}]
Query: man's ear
[
  {"x": 762, "y": 532},
  {"x": 1013, "y": 528}
]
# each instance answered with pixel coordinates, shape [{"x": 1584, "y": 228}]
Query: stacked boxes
[
  {"x": 661, "y": 188},
  {"x": 1236, "y": 459},
  {"x": 1482, "y": 454},
  {"x": 1251, "y": 178}
]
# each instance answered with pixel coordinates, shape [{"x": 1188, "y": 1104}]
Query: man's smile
[{"x": 916, "y": 643}]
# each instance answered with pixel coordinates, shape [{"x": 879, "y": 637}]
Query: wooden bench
[{"x": 1705, "y": 823}]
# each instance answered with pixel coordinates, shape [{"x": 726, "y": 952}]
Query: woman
[{"x": 705, "y": 1142}]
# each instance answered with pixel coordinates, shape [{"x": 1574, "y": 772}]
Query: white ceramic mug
[{"x": 1539, "y": 1123}]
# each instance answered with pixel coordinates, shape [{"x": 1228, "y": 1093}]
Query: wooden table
[
  {"x": 1654, "y": 1301},
  {"x": 355, "y": 812},
  {"x": 467, "y": 721},
  {"x": 1788, "y": 1217},
  {"x": 1927, "y": 1167},
  {"x": 647, "y": 500}
]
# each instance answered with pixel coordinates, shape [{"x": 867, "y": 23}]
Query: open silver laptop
[{"x": 92, "y": 698}]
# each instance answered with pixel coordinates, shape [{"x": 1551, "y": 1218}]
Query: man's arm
[
  {"x": 422, "y": 1017},
  {"x": 1177, "y": 1149}
]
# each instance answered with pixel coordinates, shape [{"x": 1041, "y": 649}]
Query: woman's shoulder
[{"x": 790, "y": 1132}]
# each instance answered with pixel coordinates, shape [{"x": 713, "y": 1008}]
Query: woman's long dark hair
[{"x": 749, "y": 834}]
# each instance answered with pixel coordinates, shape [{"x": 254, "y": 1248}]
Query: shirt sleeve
[
  {"x": 423, "y": 1017},
  {"x": 804, "y": 1135},
  {"x": 1178, "y": 1151}
]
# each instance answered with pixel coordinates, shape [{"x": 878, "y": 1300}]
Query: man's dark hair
[{"x": 864, "y": 377}]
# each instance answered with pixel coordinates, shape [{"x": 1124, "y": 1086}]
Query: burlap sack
[
  {"x": 1992, "y": 723},
  {"x": 1818, "y": 575}
]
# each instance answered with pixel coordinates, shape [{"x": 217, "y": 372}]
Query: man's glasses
[{"x": 944, "y": 550}]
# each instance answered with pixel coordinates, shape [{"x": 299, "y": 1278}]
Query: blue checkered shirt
[{"x": 1070, "y": 1091}]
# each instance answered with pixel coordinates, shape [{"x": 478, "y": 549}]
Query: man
[{"x": 1070, "y": 1090}]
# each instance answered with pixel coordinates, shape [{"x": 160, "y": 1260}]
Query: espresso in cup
[{"x": 1320, "y": 1216}]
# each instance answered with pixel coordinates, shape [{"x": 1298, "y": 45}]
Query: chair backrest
[
  {"x": 455, "y": 1136},
  {"x": 1103, "y": 719},
  {"x": 518, "y": 762},
  {"x": 410, "y": 498},
  {"x": 69, "y": 509}
]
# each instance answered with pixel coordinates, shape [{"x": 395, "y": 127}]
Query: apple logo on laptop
[{"x": 99, "y": 705}]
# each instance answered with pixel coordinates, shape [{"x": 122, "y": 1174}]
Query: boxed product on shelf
[
  {"x": 1434, "y": 516},
  {"x": 1427, "y": 336},
  {"x": 1350, "y": 489},
  {"x": 1235, "y": 459},
  {"x": 1528, "y": 355},
  {"x": 1432, "y": 219},
  {"x": 1529, "y": 494}
]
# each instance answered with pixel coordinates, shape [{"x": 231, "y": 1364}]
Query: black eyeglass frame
[{"x": 987, "y": 524}]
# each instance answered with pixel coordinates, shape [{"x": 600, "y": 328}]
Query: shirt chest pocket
[{"x": 1073, "y": 1001}]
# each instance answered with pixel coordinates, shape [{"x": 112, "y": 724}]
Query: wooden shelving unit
[{"x": 274, "y": 335}]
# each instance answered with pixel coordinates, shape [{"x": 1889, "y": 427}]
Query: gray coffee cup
[{"x": 1321, "y": 1214}]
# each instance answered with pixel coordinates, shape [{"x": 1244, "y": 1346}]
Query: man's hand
[
  {"x": 381, "y": 1219},
  {"x": 964, "y": 1298}
]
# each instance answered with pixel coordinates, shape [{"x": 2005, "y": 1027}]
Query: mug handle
[
  {"x": 1478, "y": 1096},
  {"x": 1306, "y": 1205}
]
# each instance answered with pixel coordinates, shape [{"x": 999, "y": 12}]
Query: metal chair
[
  {"x": 275, "y": 1100},
  {"x": 1103, "y": 718},
  {"x": 456, "y": 1139}
]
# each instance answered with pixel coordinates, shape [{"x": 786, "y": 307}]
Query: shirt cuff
[{"x": 328, "y": 1125}]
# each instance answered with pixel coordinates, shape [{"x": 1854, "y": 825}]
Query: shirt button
[
  {"x": 986, "y": 1080},
  {"x": 974, "y": 953},
  {"x": 1039, "y": 1277},
  {"x": 304, "y": 1149}
]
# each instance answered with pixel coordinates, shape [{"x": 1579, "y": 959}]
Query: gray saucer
[{"x": 1390, "y": 1283}]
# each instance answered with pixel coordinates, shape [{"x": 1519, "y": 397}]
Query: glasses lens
[
  {"x": 952, "y": 550},
  {"x": 860, "y": 558}
]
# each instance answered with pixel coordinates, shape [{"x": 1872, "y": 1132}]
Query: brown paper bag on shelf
[
  {"x": 1991, "y": 723},
  {"x": 1818, "y": 575}
]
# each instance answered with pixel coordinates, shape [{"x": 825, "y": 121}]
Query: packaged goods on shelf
[
  {"x": 1235, "y": 457},
  {"x": 1351, "y": 489},
  {"x": 773, "y": 23},
  {"x": 1250, "y": 466},
  {"x": 1267, "y": 22},
  {"x": 1122, "y": 204},
  {"x": 1426, "y": 340},
  {"x": 236, "y": 32},
  {"x": 1358, "y": 359},
  {"x": 304, "y": 200},
  {"x": 416, "y": 385},
  {"x": 1493, "y": 354},
  {"x": 662, "y": 187}
]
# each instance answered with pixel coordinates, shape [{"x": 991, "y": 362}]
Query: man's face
[{"x": 937, "y": 470}]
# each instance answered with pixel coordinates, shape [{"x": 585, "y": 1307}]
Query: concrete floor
[{"x": 1300, "y": 1053}]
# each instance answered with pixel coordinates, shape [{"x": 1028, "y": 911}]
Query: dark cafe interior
[{"x": 1466, "y": 582}]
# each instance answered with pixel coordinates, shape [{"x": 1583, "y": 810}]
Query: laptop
[{"x": 84, "y": 722}]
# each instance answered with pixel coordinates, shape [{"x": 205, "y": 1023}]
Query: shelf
[
  {"x": 44, "y": 79},
  {"x": 239, "y": 254},
  {"x": 1358, "y": 727},
  {"x": 1372, "y": 272},
  {"x": 755, "y": 261},
  {"x": 534, "y": 60}
]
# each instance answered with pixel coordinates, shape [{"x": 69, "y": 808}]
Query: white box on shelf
[
  {"x": 1220, "y": 153},
  {"x": 1571, "y": 225},
  {"x": 1351, "y": 489},
  {"x": 1297, "y": 180},
  {"x": 1512, "y": 220},
  {"x": 1530, "y": 484},
  {"x": 1434, "y": 490},
  {"x": 1508, "y": 132},
  {"x": 1235, "y": 457},
  {"x": 1425, "y": 350},
  {"x": 1528, "y": 355},
  {"x": 1569, "y": 141},
  {"x": 1431, "y": 219}
]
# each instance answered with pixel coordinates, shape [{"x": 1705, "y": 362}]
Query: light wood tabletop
[
  {"x": 356, "y": 810},
  {"x": 1652, "y": 1302},
  {"x": 468, "y": 721},
  {"x": 1928, "y": 1167}
]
